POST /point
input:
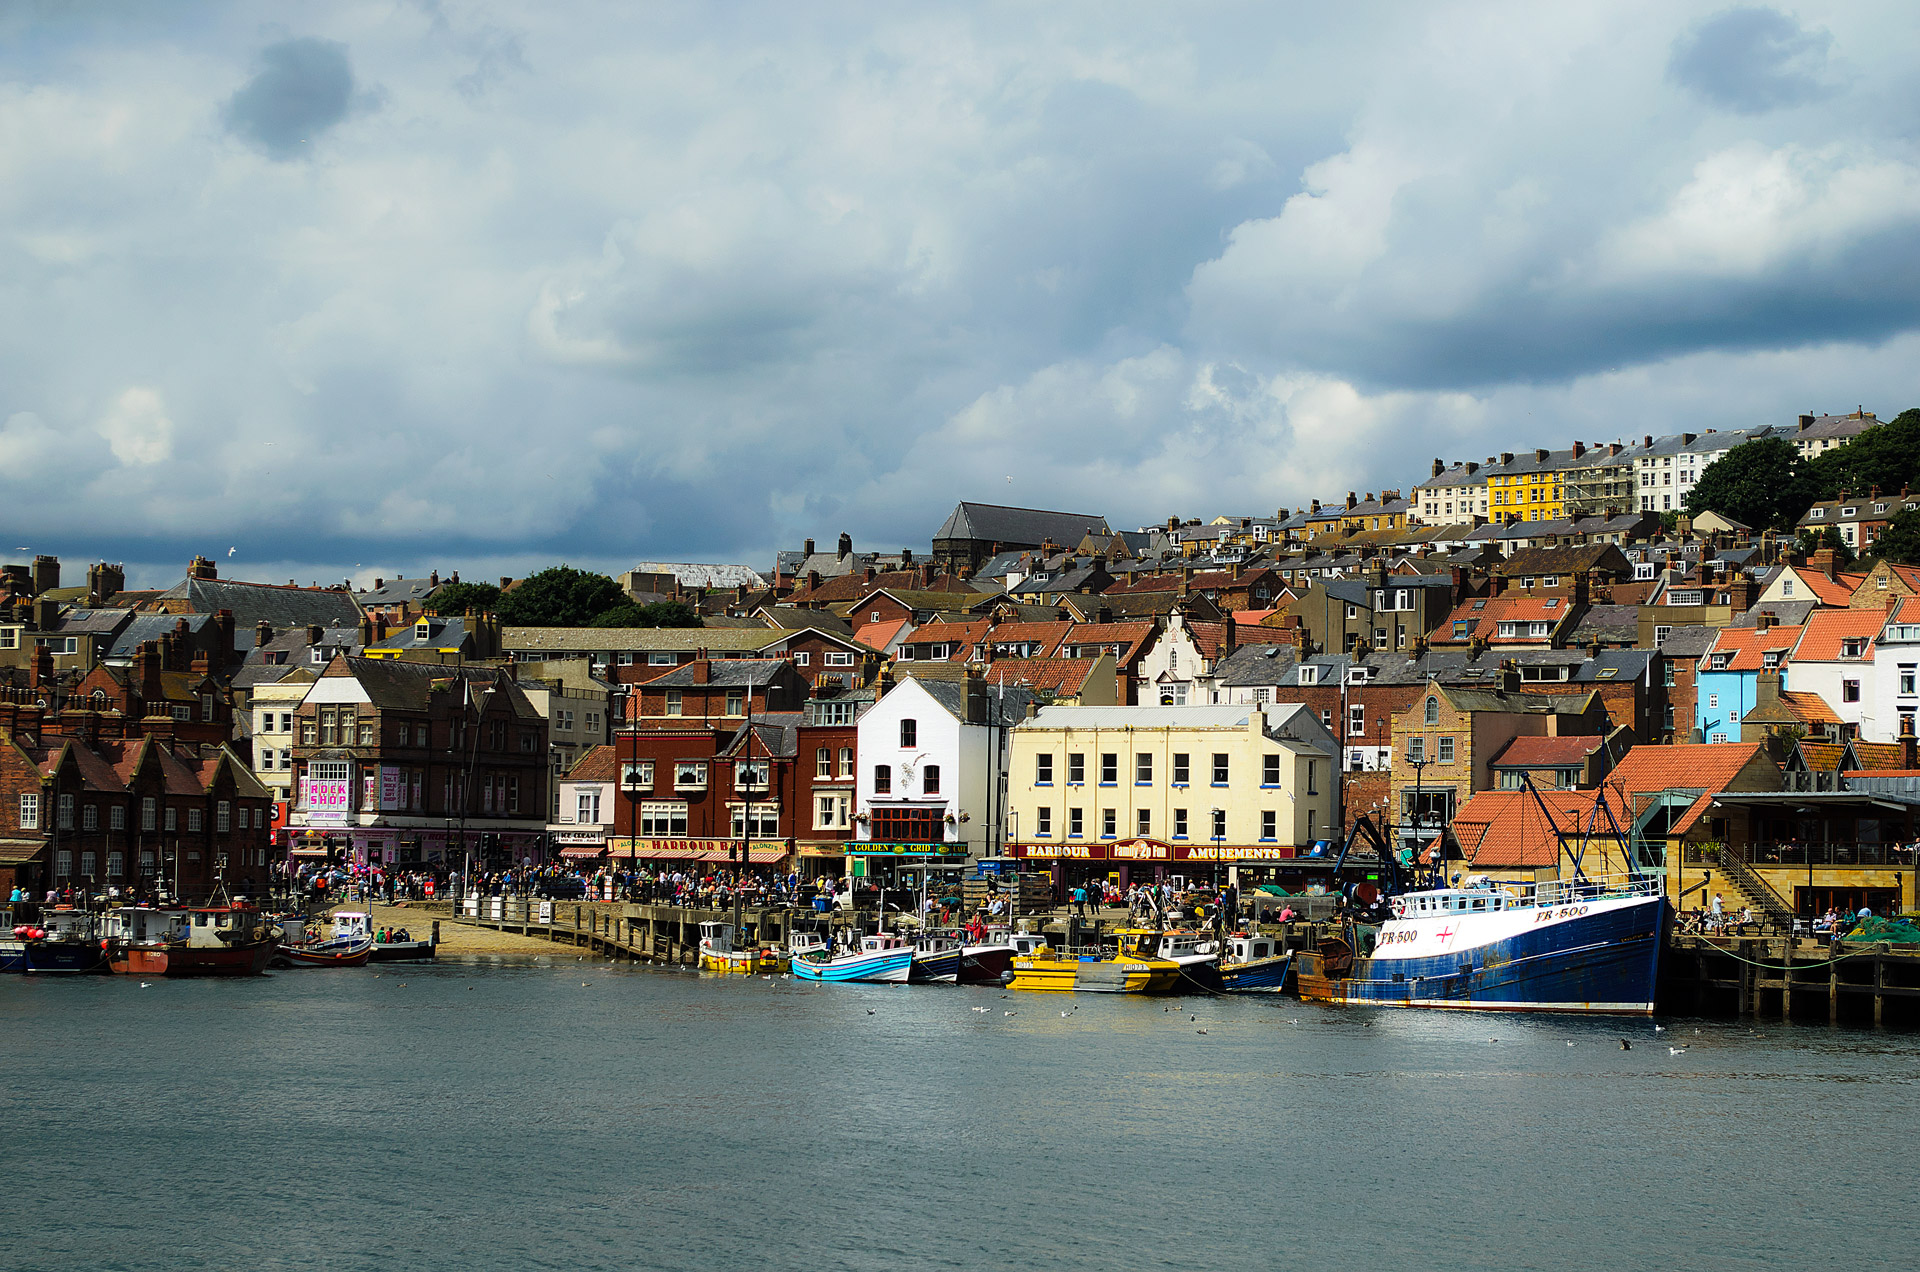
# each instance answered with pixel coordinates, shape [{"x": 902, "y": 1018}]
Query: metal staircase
[{"x": 1753, "y": 889}]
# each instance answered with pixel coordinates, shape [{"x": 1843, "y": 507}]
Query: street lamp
[
  {"x": 466, "y": 783},
  {"x": 1219, "y": 834}
]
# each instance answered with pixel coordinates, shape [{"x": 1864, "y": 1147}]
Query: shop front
[
  {"x": 1125, "y": 862},
  {"x": 719, "y": 852},
  {"x": 908, "y": 869}
]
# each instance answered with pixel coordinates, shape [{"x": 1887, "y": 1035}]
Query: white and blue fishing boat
[
  {"x": 936, "y": 959},
  {"x": 1255, "y": 964},
  {"x": 1589, "y": 946},
  {"x": 882, "y": 957},
  {"x": 1583, "y": 944}
]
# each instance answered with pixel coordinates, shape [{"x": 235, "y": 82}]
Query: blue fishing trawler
[
  {"x": 1590, "y": 946},
  {"x": 1579, "y": 944}
]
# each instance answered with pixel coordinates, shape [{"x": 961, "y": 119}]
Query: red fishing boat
[{"x": 228, "y": 939}]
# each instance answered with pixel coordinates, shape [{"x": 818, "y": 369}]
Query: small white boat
[{"x": 882, "y": 957}]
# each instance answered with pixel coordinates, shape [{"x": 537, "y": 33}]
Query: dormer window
[
  {"x": 1817, "y": 513},
  {"x": 1309, "y": 675},
  {"x": 1848, "y": 512},
  {"x": 1853, "y": 647},
  {"x": 1719, "y": 661},
  {"x": 423, "y": 630},
  {"x": 1770, "y": 659},
  {"x": 1879, "y": 507}
]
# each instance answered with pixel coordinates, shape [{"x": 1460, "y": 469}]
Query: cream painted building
[
  {"x": 1143, "y": 793},
  {"x": 273, "y": 705}
]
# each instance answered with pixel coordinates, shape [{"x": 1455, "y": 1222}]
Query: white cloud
[{"x": 137, "y": 430}]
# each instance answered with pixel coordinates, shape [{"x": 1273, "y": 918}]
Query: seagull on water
[
  {"x": 1625, "y": 1045},
  {"x": 869, "y": 1011},
  {"x": 1674, "y": 1051},
  {"x": 145, "y": 985},
  {"x": 1199, "y": 1031}
]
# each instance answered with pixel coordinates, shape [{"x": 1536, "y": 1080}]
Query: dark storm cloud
[
  {"x": 1752, "y": 61},
  {"x": 303, "y": 88}
]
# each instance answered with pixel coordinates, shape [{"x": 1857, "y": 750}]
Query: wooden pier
[
  {"x": 1791, "y": 978},
  {"x": 620, "y": 930}
]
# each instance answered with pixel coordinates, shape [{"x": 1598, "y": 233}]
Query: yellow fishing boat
[
  {"x": 1135, "y": 967},
  {"x": 718, "y": 955}
]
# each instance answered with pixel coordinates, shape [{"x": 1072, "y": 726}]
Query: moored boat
[
  {"x": 229, "y": 939},
  {"x": 399, "y": 946},
  {"x": 1255, "y": 964},
  {"x": 1135, "y": 967},
  {"x": 337, "y": 953},
  {"x": 1196, "y": 953},
  {"x": 65, "y": 941},
  {"x": 936, "y": 959},
  {"x": 717, "y": 953},
  {"x": 881, "y": 957},
  {"x": 1582, "y": 946}
]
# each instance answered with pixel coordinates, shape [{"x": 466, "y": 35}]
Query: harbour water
[{"x": 549, "y": 1113}]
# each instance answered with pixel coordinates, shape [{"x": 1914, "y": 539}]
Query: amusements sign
[{"x": 1154, "y": 850}]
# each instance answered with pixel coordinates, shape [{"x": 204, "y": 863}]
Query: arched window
[{"x": 1433, "y": 710}]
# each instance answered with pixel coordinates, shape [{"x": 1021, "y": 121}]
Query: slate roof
[
  {"x": 682, "y": 639},
  {"x": 1004, "y": 705},
  {"x": 408, "y": 686},
  {"x": 1573, "y": 559},
  {"x": 753, "y": 672},
  {"x": 283, "y": 606},
  {"x": 701, "y": 574},
  {"x": 400, "y": 590},
  {"x": 1607, "y": 623},
  {"x": 146, "y": 627},
  {"x": 1026, "y": 526},
  {"x": 444, "y": 633}
]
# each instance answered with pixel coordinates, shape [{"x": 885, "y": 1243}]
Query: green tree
[
  {"x": 1886, "y": 458},
  {"x": 1900, "y": 543},
  {"x": 454, "y": 599},
  {"x": 1763, "y": 484},
  {"x": 560, "y": 596},
  {"x": 1828, "y": 537},
  {"x": 658, "y": 614}
]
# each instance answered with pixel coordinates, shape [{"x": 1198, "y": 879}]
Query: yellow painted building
[
  {"x": 1529, "y": 487},
  {"x": 1149, "y": 792}
]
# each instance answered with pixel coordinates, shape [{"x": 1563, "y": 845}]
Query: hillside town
[{"x": 1501, "y": 656}]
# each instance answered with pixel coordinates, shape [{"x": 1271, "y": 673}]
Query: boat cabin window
[{"x": 1479, "y": 903}]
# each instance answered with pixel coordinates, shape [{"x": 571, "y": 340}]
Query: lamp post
[
  {"x": 466, "y": 781},
  {"x": 1219, "y": 829},
  {"x": 1413, "y": 812}
]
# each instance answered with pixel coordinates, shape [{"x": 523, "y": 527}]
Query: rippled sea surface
[{"x": 577, "y": 1115}]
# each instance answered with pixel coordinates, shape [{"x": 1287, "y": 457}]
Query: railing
[
  {"x": 1828, "y": 854},
  {"x": 1755, "y": 887}
]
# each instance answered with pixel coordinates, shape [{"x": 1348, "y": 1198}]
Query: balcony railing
[{"x": 1766, "y": 855}]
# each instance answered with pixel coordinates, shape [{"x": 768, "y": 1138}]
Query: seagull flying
[{"x": 231, "y": 551}]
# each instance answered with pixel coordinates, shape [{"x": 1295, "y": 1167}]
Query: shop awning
[{"x": 582, "y": 850}]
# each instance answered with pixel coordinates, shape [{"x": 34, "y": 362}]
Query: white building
[
  {"x": 1896, "y": 675},
  {"x": 1835, "y": 658},
  {"x": 1666, "y": 469},
  {"x": 933, "y": 763},
  {"x": 586, "y": 802},
  {"x": 1175, "y": 671}
]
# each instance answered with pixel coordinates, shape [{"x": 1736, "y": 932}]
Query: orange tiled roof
[
  {"x": 1881, "y": 757},
  {"x": 1057, "y": 675},
  {"x": 1809, "y": 708},
  {"x": 878, "y": 634},
  {"x": 1829, "y": 591},
  {"x": 1506, "y": 829},
  {"x": 1707, "y": 766},
  {"x": 1823, "y": 757},
  {"x": 1748, "y": 645},
  {"x": 597, "y": 765},
  {"x": 1825, "y": 629},
  {"x": 1494, "y": 610}
]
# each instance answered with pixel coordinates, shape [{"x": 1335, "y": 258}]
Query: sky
[{"x": 382, "y": 286}]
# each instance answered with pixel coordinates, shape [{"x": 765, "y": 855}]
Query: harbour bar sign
[{"x": 1153, "y": 850}]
